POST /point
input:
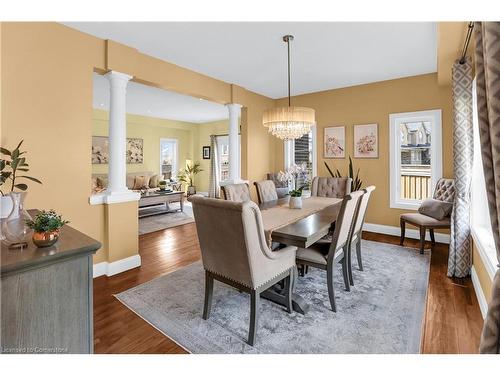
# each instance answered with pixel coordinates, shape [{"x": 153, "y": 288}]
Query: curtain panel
[
  {"x": 487, "y": 53},
  {"x": 459, "y": 259},
  {"x": 214, "y": 186}
]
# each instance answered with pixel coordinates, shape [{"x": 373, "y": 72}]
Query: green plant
[
  {"x": 11, "y": 165},
  {"x": 356, "y": 181},
  {"x": 162, "y": 183},
  {"x": 187, "y": 174},
  {"x": 46, "y": 221},
  {"x": 297, "y": 192}
]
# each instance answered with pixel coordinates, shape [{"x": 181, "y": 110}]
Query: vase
[
  {"x": 45, "y": 239},
  {"x": 16, "y": 232},
  {"x": 295, "y": 202},
  {"x": 6, "y": 203}
]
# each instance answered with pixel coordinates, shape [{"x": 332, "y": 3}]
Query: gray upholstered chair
[
  {"x": 357, "y": 230},
  {"x": 325, "y": 255},
  {"x": 234, "y": 251},
  {"x": 266, "y": 191},
  {"x": 331, "y": 187},
  {"x": 236, "y": 192},
  {"x": 282, "y": 188},
  {"x": 444, "y": 191}
]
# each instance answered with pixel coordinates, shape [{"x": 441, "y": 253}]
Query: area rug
[
  {"x": 164, "y": 221},
  {"x": 382, "y": 313}
]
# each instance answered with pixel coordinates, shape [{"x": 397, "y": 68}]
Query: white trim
[
  {"x": 122, "y": 265},
  {"x": 409, "y": 233},
  {"x": 395, "y": 119},
  {"x": 481, "y": 299},
  {"x": 488, "y": 264},
  {"x": 110, "y": 198},
  {"x": 175, "y": 165}
]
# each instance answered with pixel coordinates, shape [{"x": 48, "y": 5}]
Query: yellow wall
[
  {"x": 151, "y": 130},
  {"x": 372, "y": 103}
]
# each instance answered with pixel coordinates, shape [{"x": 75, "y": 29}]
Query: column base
[{"x": 114, "y": 197}]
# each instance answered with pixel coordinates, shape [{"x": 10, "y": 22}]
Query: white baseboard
[
  {"x": 113, "y": 268},
  {"x": 409, "y": 233},
  {"x": 483, "y": 305}
]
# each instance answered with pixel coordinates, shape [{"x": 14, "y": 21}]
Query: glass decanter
[{"x": 15, "y": 231}]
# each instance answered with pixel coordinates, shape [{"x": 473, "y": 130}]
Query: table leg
[{"x": 182, "y": 204}]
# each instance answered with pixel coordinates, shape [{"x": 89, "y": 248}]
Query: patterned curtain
[
  {"x": 214, "y": 187},
  {"x": 459, "y": 260},
  {"x": 487, "y": 39}
]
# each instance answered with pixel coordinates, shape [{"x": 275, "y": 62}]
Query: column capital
[
  {"x": 117, "y": 78},
  {"x": 233, "y": 106}
]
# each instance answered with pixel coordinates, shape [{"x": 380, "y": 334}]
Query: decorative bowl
[{"x": 45, "y": 239}]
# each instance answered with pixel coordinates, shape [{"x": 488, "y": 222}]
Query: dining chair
[
  {"x": 331, "y": 187},
  {"x": 357, "y": 231},
  {"x": 236, "y": 192},
  {"x": 234, "y": 251},
  {"x": 266, "y": 191},
  {"x": 444, "y": 192},
  {"x": 282, "y": 188},
  {"x": 326, "y": 255}
]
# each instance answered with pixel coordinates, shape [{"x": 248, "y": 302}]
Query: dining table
[{"x": 293, "y": 227}]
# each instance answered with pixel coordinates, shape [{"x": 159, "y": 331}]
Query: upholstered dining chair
[
  {"x": 236, "y": 192},
  {"x": 330, "y": 187},
  {"x": 444, "y": 192},
  {"x": 357, "y": 230},
  {"x": 282, "y": 188},
  {"x": 266, "y": 191},
  {"x": 326, "y": 255},
  {"x": 234, "y": 251}
]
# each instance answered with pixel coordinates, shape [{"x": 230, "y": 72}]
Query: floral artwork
[
  {"x": 366, "y": 141},
  {"x": 334, "y": 142},
  {"x": 100, "y": 150}
]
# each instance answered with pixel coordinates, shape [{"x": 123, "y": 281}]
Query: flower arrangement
[{"x": 292, "y": 175}]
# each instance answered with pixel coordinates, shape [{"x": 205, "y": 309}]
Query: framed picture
[
  {"x": 100, "y": 150},
  {"x": 334, "y": 142},
  {"x": 206, "y": 152},
  {"x": 366, "y": 141}
]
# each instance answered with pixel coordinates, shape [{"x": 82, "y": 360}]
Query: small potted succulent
[
  {"x": 46, "y": 226},
  {"x": 162, "y": 185}
]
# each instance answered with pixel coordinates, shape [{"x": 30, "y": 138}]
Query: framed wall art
[
  {"x": 100, "y": 150},
  {"x": 366, "y": 141},
  {"x": 206, "y": 152},
  {"x": 334, "y": 142}
]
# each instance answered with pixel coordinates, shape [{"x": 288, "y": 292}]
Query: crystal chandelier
[{"x": 289, "y": 122}]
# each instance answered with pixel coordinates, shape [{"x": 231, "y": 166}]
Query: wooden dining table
[{"x": 302, "y": 232}]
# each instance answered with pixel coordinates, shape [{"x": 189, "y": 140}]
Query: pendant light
[{"x": 289, "y": 122}]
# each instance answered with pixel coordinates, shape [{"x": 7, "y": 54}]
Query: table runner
[{"x": 279, "y": 216}]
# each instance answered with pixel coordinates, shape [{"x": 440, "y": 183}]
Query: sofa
[{"x": 100, "y": 181}]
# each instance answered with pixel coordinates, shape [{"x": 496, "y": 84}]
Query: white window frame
[
  {"x": 395, "y": 120},
  {"x": 175, "y": 166},
  {"x": 289, "y": 152}
]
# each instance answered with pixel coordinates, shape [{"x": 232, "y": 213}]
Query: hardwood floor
[{"x": 452, "y": 324}]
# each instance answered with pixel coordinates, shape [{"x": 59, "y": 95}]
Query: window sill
[{"x": 486, "y": 250}]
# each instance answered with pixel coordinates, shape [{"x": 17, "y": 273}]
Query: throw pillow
[
  {"x": 102, "y": 182},
  {"x": 153, "y": 181},
  {"x": 435, "y": 208},
  {"x": 140, "y": 182}
]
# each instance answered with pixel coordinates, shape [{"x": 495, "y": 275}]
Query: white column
[
  {"x": 117, "y": 190},
  {"x": 234, "y": 144}
]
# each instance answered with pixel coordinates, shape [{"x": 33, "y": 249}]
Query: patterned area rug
[
  {"x": 382, "y": 313},
  {"x": 154, "y": 223}
]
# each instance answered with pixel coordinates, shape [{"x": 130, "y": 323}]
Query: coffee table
[{"x": 157, "y": 202}]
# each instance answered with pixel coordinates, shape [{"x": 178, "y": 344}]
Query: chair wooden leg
[
  {"x": 431, "y": 232},
  {"x": 402, "y": 239},
  {"x": 329, "y": 279},
  {"x": 345, "y": 271},
  {"x": 254, "y": 316},
  {"x": 209, "y": 288},
  {"x": 358, "y": 254},
  {"x": 288, "y": 290},
  {"x": 349, "y": 263},
  {"x": 306, "y": 269},
  {"x": 422, "y": 239}
]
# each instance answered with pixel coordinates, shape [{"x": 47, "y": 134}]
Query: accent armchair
[
  {"x": 331, "y": 187},
  {"x": 234, "y": 251}
]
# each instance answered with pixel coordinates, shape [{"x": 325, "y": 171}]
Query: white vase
[
  {"x": 295, "y": 202},
  {"x": 6, "y": 206}
]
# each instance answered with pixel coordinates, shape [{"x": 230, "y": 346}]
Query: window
[
  {"x": 480, "y": 218},
  {"x": 168, "y": 158},
  {"x": 223, "y": 157},
  {"x": 415, "y": 148},
  {"x": 302, "y": 150}
]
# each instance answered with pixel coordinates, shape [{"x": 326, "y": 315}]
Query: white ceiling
[
  {"x": 153, "y": 102},
  {"x": 252, "y": 55}
]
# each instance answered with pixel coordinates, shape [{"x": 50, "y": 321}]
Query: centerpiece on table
[
  {"x": 46, "y": 226},
  {"x": 292, "y": 176}
]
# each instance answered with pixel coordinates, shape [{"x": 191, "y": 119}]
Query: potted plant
[
  {"x": 11, "y": 164},
  {"x": 356, "y": 181},
  {"x": 292, "y": 175},
  {"x": 46, "y": 226},
  {"x": 162, "y": 185},
  {"x": 187, "y": 174}
]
